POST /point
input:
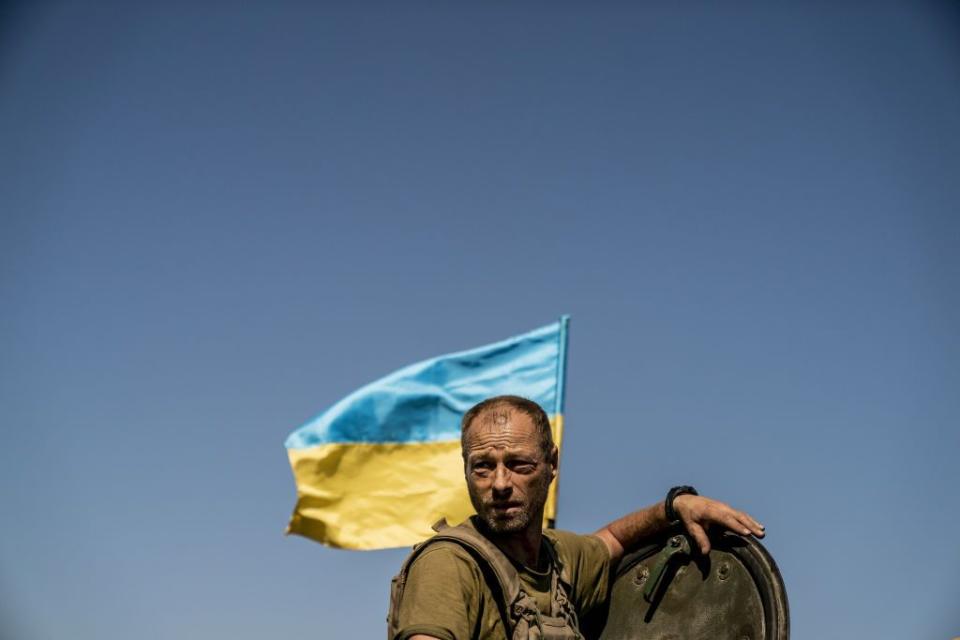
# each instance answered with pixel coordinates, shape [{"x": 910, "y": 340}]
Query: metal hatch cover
[{"x": 664, "y": 592}]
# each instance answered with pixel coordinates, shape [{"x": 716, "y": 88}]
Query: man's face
[{"x": 507, "y": 473}]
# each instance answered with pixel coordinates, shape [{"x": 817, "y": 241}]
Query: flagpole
[
  {"x": 562, "y": 364},
  {"x": 558, "y": 405}
]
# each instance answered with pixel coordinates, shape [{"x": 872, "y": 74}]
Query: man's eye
[{"x": 523, "y": 467}]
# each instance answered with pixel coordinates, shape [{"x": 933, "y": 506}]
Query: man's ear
[{"x": 553, "y": 459}]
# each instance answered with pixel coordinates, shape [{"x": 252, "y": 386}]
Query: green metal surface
[
  {"x": 677, "y": 549},
  {"x": 667, "y": 592}
]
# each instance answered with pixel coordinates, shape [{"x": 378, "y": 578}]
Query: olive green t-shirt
[{"x": 446, "y": 595}]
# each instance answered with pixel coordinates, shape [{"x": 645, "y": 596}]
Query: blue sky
[{"x": 214, "y": 223}]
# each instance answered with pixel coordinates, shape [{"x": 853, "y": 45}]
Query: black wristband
[{"x": 671, "y": 496}]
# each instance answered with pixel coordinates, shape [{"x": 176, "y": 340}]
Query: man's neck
[{"x": 523, "y": 546}]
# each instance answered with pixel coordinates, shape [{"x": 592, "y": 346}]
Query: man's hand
[{"x": 699, "y": 513}]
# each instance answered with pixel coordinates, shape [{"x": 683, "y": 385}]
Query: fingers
[
  {"x": 734, "y": 521},
  {"x": 699, "y": 513},
  {"x": 746, "y": 525},
  {"x": 726, "y": 516},
  {"x": 755, "y": 527},
  {"x": 698, "y": 533}
]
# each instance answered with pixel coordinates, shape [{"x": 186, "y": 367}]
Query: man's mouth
[{"x": 506, "y": 508}]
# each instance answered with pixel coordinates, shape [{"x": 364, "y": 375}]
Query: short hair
[{"x": 511, "y": 403}]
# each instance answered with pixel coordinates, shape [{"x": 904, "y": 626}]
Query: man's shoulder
[
  {"x": 440, "y": 594},
  {"x": 584, "y": 559},
  {"x": 454, "y": 543},
  {"x": 567, "y": 542},
  {"x": 441, "y": 551},
  {"x": 439, "y": 558},
  {"x": 562, "y": 534}
]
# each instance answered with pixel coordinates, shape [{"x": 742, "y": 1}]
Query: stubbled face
[{"x": 507, "y": 473}]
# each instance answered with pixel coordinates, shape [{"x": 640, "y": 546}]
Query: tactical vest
[{"x": 521, "y": 617}]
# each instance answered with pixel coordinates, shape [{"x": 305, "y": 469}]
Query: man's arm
[{"x": 696, "y": 512}]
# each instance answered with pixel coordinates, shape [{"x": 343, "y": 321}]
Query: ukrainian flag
[{"x": 380, "y": 466}]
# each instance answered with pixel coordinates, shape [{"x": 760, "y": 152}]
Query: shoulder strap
[
  {"x": 503, "y": 570},
  {"x": 561, "y": 588},
  {"x": 555, "y": 557}
]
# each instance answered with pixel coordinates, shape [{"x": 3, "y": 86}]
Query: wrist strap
[{"x": 671, "y": 495}]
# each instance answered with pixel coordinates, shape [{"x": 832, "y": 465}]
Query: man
[{"x": 454, "y": 587}]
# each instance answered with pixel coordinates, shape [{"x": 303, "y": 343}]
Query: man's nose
[{"x": 501, "y": 479}]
